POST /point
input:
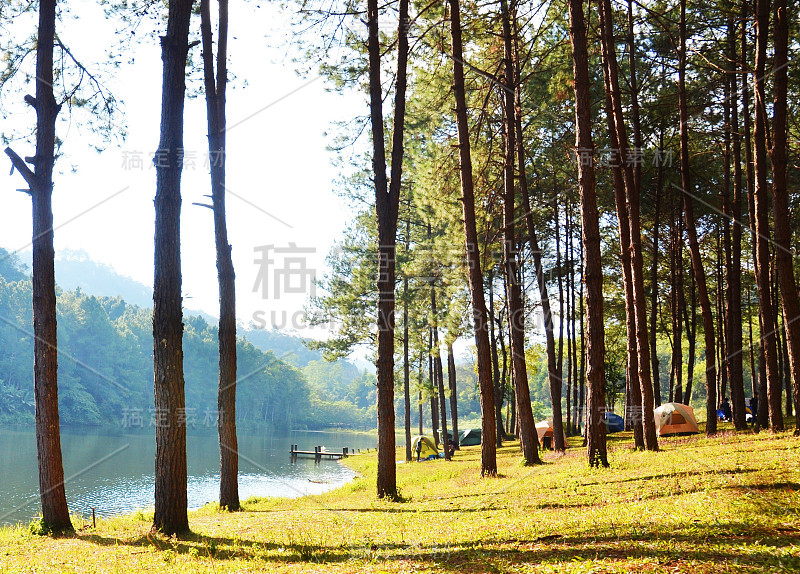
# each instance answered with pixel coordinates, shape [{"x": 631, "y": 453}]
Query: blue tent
[{"x": 614, "y": 422}]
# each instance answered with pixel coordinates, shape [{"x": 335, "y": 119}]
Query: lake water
[{"x": 114, "y": 474}]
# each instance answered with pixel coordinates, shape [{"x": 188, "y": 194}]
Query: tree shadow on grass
[
  {"x": 223, "y": 548},
  {"x": 669, "y": 475},
  {"x": 701, "y": 546},
  {"x": 485, "y": 508},
  {"x": 492, "y": 555}
]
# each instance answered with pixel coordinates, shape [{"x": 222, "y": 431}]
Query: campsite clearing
[{"x": 727, "y": 504}]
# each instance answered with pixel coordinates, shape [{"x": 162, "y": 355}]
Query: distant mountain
[
  {"x": 77, "y": 270},
  {"x": 289, "y": 348}
]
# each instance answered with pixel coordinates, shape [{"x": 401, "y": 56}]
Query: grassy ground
[{"x": 729, "y": 504}]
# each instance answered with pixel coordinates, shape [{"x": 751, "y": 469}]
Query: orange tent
[
  {"x": 545, "y": 430},
  {"x": 675, "y": 418}
]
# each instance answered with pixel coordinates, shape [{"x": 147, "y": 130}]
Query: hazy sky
[{"x": 280, "y": 177}]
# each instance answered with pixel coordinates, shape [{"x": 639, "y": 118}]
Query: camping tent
[
  {"x": 470, "y": 437},
  {"x": 426, "y": 446},
  {"x": 675, "y": 418},
  {"x": 544, "y": 429},
  {"x": 614, "y": 422}
]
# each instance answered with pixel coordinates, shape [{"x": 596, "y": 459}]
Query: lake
[{"x": 114, "y": 473}]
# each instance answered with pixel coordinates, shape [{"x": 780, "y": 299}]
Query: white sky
[{"x": 280, "y": 177}]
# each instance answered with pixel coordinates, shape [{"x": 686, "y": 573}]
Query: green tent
[
  {"x": 470, "y": 437},
  {"x": 426, "y": 447}
]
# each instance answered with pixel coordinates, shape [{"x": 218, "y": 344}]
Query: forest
[
  {"x": 622, "y": 176},
  {"x": 105, "y": 376},
  {"x": 604, "y": 193}
]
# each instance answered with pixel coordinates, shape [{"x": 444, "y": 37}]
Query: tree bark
[
  {"x": 406, "y": 364},
  {"x": 581, "y": 378},
  {"x": 499, "y": 382},
  {"x": 759, "y": 383},
  {"x": 451, "y": 377},
  {"x": 691, "y": 231},
  {"x": 433, "y": 379},
  {"x": 560, "y": 274},
  {"x": 567, "y": 318},
  {"x": 169, "y": 395},
  {"x": 734, "y": 276},
  {"x": 780, "y": 204},
  {"x": 691, "y": 335},
  {"x": 55, "y": 513},
  {"x": 633, "y": 410},
  {"x": 595, "y": 351},
  {"x": 529, "y": 440},
  {"x": 488, "y": 447},
  {"x": 387, "y": 200},
  {"x": 678, "y": 304},
  {"x": 559, "y": 443},
  {"x": 762, "y": 235},
  {"x": 215, "y": 111},
  {"x": 437, "y": 369},
  {"x": 635, "y": 237}
]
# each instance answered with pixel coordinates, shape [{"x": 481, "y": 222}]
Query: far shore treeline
[{"x": 106, "y": 369}]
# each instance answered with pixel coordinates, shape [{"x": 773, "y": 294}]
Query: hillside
[{"x": 105, "y": 364}]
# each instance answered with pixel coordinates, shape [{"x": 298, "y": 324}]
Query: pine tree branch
[{"x": 18, "y": 164}]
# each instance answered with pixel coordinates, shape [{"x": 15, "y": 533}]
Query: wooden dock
[{"x": 318, "y": 453}]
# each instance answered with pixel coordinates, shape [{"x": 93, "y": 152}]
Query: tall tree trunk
[
  {"x": 632, "y": 387},
  {"x": 654, "y": 279},
  {"x": 569, "y": 319},
  {"x": 691, "y": 335},
  {"x": 724, "y": 259},
  {"x": 635, "y": 246},
  {"x": 387, "y": 200},
  {"x": 637, "y": 182},
  {"x": 420, "y": 403},
  {"x": 215, "y": 88},
  {"x": 734, "y": 275},
  {"x": 763, "y": 236},
  {"x": 560, "y": 272},
  {"x": 529, "y": 440},
  {"x": 691, "y": 231},
  {"x": 55, "y": 513},
  {"x": 581, "y": 379},
  {"x": 559, "y": 442},
  {"x": 780, "y": 205},
  {"x": 785, "y": 369},
  {"x": 501, "y": 338},
  {"x": 753, "y": 373},
  {"x": 760, "y": 383},
  {"x": 499, "y": 382},
  {"x": 451, "y": 377},
  {"x": 576, "y": 381},
  {"x": 406, "y": 364},
  {"x": 437, "y": 368},
  {"x": 434, "y": 391},
  {"x": 678, "y": 302},
  {"x": 488, "y": 447},
  {"x": 595, "y": 352},
  {"x": 170, "y": 465}
]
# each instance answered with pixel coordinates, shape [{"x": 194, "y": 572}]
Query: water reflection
[{"x": 114, "y": 473}]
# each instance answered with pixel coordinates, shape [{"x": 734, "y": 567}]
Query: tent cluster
[{"x": 670, "y": 419}]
